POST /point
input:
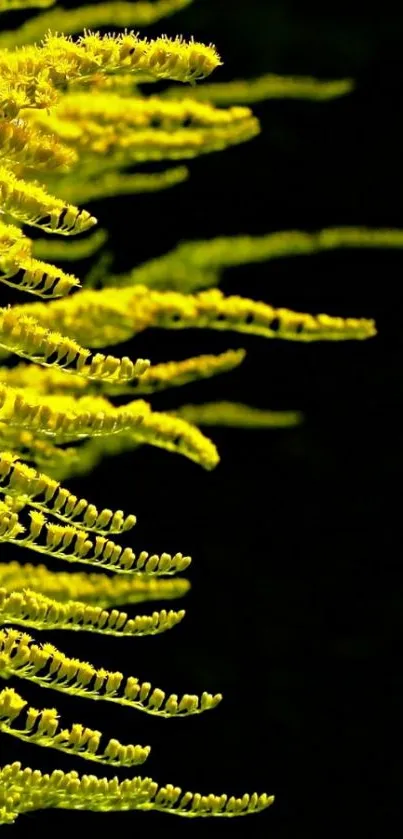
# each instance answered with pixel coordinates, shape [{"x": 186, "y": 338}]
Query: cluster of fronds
[{"x": 74, "y": 127}]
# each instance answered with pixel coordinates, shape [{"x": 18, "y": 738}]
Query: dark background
[{"x": 296, "y": 608}]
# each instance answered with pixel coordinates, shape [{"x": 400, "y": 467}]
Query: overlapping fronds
[
  {"x": 52, "y": 381},
  {"x": 68, "y": 418},
  {"x": 75, "y": 127},
  {"x": 24, "y": 143},
  {"x": 132, "y": 130}
]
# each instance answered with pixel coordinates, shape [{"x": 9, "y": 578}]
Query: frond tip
[{"x": 25, "y": 790}]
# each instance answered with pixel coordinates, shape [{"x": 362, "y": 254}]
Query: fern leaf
[
  {"x": 32, "y": 205},
  {"x": 24, "y": 336},
  {"x": 73, "y": 545},
  {"x": 100, "y": 590},
  {"x": 268, "y": 86},
  {"x": 43, "y": 729},
  {"x": 18, "y": 479},
  {"x": 91, "y": 186},
  {"x": 112, "y": 315},
  {"x": 46, "y": 666},
  {"x": 67, "y": 418},
  {"x": 70, "y": 250},
  {"x": 200, "y": 264},
  {"x": 69, "y": 21},
  {"x": 25, "y": 790},
  {"x": 32, "y": 609},
  {"x": 237, "y": 415}
]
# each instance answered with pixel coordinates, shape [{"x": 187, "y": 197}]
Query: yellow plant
[{"x": 74, "y": 124}]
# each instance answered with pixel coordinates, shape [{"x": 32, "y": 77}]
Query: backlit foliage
[{"x": 76, "y": 124}]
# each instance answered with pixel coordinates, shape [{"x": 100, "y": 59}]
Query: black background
[{"x": 295, "y": 612}]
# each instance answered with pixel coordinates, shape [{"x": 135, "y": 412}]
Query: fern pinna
[{"x": 76, "y": 123}]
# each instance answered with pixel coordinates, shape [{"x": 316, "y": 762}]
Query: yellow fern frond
[
  {"x": 23, "y": 143},
  {"x": 211, "y": 309},
  {"x": 177, "y": 373},
  {"x": 22, "y": 335},
  {"x": 67, "y": 418},
  {"x": 134, "y": 129},
  {"x": 17, "y": 478},
  {"x": 95, "y": 589},
  {"x": 31, "y": 204},
  {"x": 36, "y": 277},
  {"x": 31, "y": 76},
  {"x": 44, "y": 665},
  {"x": 86, "y": 111},
  {"x": 25, "y": 790},
  {"x": 19, "y": 270},
  {"x": 52, "y": 380},
  {"x": 72, "y": 544},
  {"x": 32, "y": 609},
  {"x": 111, "y": 315},
  {"x": 43, "y": 729}
]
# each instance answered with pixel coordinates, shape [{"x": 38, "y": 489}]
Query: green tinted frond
[
  {"x": 199, "y": 264},
  {"x": 12, "y": 5},
  {"x": 94, "y": 186},
  {"x": 236, "y": 415},
  {"x": 269, "y": 86},
  {"x": 69, "y": 250},
  {"x": 69, "y": 21}
]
